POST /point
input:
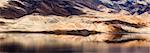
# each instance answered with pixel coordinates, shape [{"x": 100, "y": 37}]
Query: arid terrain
[{"x": 24, "y": 25}]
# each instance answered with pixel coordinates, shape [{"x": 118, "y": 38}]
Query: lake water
[{"x": 61, "y": 47}]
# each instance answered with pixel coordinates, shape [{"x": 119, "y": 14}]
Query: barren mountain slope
[{"x": 71, "y": 21}]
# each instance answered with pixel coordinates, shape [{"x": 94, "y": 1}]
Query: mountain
[
  {"x": 20, "y": 8},
  {"x": 45, "y": 25}
]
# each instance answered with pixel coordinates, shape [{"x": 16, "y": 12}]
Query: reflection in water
[
  {"x": 53, "y": 46},
  {"x": 71, "y": 49}
]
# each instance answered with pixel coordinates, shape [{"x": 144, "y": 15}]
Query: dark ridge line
[
  {"x": 52, "y": 32},
  {"x": 120, "y": 22},
  {"x": 123, "y": 40},
  {"x": 83, "y": 32},
  {"x": 16, "y": 3}
]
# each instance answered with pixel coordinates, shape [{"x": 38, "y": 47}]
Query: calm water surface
[{"x": 58, "y": 47}]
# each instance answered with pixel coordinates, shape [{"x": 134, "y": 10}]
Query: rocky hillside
[
  {"x": 20, "y": 8},
  {"x": 124, "y": 22}
]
